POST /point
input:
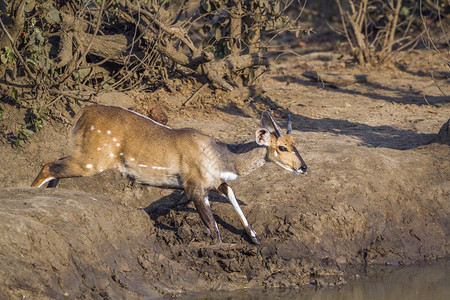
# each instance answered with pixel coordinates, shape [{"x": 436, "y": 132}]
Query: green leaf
[
  {"x": 15, "y": 95},
  {"x": 4, "y": 58},
  {"x": 27, "y": 131},
  {"x": 54, "y": 16},
  {"x": 8, "y": 56},
  {"x": 1, "y": 113},
  {"x": 31, "y": 63},
  {"x": 404, "y": 11}
]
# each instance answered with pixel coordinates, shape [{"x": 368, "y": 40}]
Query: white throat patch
[
  {"x": 228, "y": 175},
  {"x": 284, "y": 167}
]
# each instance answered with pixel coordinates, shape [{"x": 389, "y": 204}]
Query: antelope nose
[{"x": 303, "y": 168}]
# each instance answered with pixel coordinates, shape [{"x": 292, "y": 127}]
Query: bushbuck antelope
[{"x": 157, "y": 155}]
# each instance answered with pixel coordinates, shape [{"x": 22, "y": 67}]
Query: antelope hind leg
[{"x": 204, "y": 210}]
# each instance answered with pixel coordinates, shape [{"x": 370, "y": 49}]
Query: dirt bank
[{"x": 377, "y": 191}]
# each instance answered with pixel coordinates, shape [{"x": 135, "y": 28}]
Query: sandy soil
[{"x": 377, "y": 192}]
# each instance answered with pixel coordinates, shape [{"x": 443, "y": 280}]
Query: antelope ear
[
  {"x": 269, "y": 123},
  {"x": 262, "y": 137}
]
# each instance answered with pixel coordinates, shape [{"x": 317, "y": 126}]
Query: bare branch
[
  {"x": 178, "y": 32},
  {"x": 24, "y": 64},
  {"x": 97, "y": 27},
  {"x": 393, "y": 25},
  {"x": 235, "y": 26}
]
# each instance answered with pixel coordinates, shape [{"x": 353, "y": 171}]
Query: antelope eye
[{"x": 282, "y": 148}]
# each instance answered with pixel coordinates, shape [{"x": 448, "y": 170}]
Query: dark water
[{"x": 422, "y": 282}]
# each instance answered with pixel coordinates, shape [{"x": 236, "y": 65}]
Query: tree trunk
[
  {"x": 235, "y": 26},
  {"x": 13, "y": 16}
]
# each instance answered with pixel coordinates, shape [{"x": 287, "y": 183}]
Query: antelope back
[{"x": 109, "y": 136}]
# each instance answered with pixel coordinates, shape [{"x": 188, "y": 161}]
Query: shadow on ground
[
  {"x": 163, "y": 213},
  {"x": 384, "y": 136}
]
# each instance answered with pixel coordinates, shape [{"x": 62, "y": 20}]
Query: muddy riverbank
[{"x": 377, "y": 192}]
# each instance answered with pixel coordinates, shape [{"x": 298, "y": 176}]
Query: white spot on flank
[
  {"x": 92, "y": 127},
  {"x": 99, "y": 131},
  {"x": 144, "y": 166},
  {"x": 98, "y": 149},
  {"x": 121, "y": 154},
  {"x": 228, "y": 175},
  {"x": 108, "y": 132},
  {"x": 46, "y": 180},
  {"x": 131, "y": 159},
  {"x": 117, "y": 144},
  {"x": 275, "y": 154},
  {"x": 101, "y": 170},
  {"x": 160, "y": 168},
  {"x": 111, "y": 155},
  {"x": 88, "y": 166},
  {"x": 114, "y": 140},
  {"x": 126, "y": 164}
]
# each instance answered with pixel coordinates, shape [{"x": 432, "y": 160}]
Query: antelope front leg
[
  {"x": 203, "y": 207},
  {"x": 226, "y": 191}
]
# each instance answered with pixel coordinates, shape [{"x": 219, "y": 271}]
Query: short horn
[
  {"x": 275, "y": 125},
  {"x": 289, "y": 124}
]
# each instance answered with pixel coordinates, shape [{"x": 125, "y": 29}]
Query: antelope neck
[{"x": 244, "y": 158}]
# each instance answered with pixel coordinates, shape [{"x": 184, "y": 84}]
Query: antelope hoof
[
  {"x": 252, "y": 235},
  {"x": 216, "y": 236},
  {"x": 216, "y": 239}
]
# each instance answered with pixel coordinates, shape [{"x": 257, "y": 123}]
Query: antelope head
[{"x": 281, "y": 147}]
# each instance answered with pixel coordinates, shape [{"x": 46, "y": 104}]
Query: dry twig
[{"x": 17, "y": 53}]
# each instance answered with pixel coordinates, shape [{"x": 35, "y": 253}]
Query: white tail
[{"x": 112, "y": 137}]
